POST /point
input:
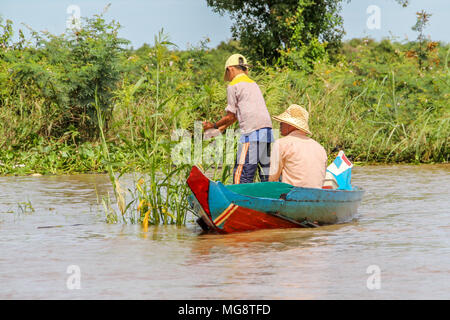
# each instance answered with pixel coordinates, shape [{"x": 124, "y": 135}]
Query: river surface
[{"x": 397, "y": 248}]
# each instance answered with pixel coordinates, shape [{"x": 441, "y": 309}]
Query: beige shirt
[
  {"x": 246, "y": 101},
  {"x": 300, "y": 160}
]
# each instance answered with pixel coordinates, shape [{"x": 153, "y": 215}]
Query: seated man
[{"x": 300, "y": 160}]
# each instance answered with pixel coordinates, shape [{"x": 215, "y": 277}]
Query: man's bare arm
[{"x": 223, "y": 123}]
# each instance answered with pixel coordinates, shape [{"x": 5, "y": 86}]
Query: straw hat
[{"x": 295, "y": 116}]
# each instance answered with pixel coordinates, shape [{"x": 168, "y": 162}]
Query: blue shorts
[{"x": 252, "y": 157}]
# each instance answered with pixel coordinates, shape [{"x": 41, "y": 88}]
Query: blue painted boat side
[
  {"x": 324, "y": 195},
  {"x": 259, "y": 204},
  {"x": 321, "y": 205},
  {"x": 321, "y": 212},
  {"x": 217, "y": 201}
]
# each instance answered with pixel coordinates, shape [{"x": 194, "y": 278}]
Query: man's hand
[
  {"x": 223, "y": 123},
  {"x": 207, "y": 125}
]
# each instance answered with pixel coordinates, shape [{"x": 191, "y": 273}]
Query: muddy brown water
[{"x": 401, "y": 237}]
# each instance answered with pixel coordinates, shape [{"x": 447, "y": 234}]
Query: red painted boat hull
[{"x": 244, "y": 219}]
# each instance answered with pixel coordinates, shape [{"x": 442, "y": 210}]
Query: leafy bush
[{"x": 56, "y": 79}]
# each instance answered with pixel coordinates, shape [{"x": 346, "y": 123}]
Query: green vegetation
[
  {"x": 290, "y": 29},
  {"x": 291, "y": 32},
  {"x": 82, "y": 102}
]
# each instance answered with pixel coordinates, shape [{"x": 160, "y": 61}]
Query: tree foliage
[
  {"x": 299, "y": 32},
  {"x": 268, "y": 28}
]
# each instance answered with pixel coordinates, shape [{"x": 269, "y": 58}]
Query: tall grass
[{"x": 160, "y": 195}]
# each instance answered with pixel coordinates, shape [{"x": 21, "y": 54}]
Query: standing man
[
  {"x": 246, "y": 104},
  {"x": 298, "y": 159}
]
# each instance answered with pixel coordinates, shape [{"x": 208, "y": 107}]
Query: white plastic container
[
  {"x": 330, "y": 181},
  {"x": 211, "y": 133}
]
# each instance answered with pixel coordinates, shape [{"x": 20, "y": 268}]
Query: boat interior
[{"x": 271, "y": 190}]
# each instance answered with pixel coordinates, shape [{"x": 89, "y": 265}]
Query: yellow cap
[{"x": 235, "y": 60}]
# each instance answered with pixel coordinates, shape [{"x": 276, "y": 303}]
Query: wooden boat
[{"x": 267, "y": 205}]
